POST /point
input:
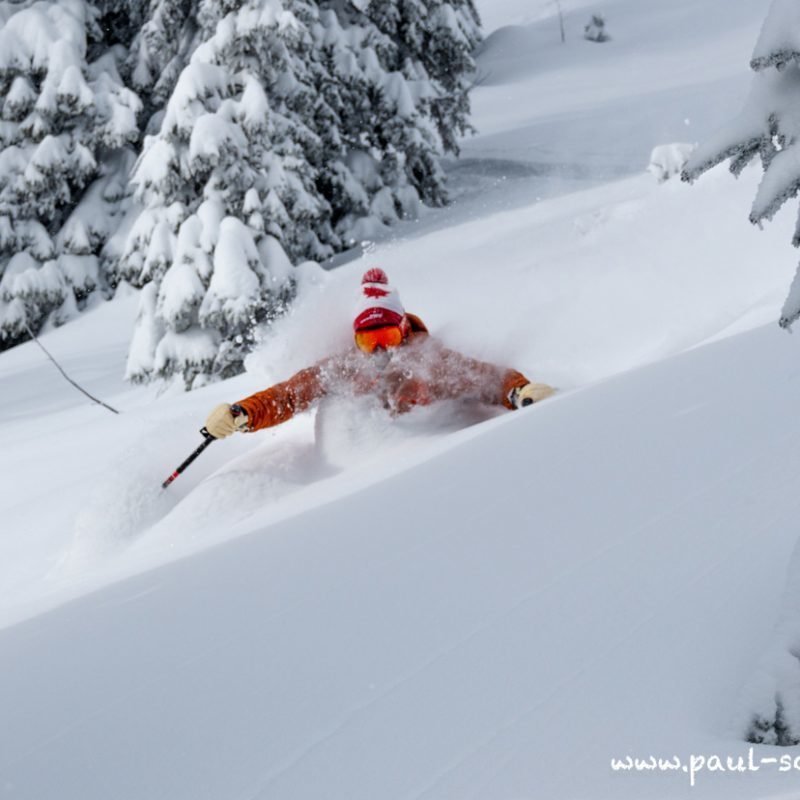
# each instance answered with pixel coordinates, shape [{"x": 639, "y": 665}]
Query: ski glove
[
  {"x": 530, "y": 393},
  {"x": 225, "y": 420}
]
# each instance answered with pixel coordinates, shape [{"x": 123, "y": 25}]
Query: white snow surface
[{"x": 461, "y": 603}]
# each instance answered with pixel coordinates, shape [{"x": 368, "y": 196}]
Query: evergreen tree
[
  {"x": 295, "y": 128},
  {"x": 276, "y": 127},
  {"x": 432, "y": 41},
  {"x": 66, "y": 126},
  {"x": 160, "y": 49},
  {"x": 768, "y": 127},
  {"x": 225, "y": 175}
]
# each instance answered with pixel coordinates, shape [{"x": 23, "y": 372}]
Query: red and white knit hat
[{"x": 378, "y": 304}]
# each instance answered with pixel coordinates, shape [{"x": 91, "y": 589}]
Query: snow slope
[
  {"x": 671, "y": 72},
  {"x": 583, "y": 581},
  {"x": 583, "y": 293},
  {"x": 437, "y": 608}
]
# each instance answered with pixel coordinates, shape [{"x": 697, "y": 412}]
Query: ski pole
[
  {"x": 208, "y": 439},
  {"x": 236, "y": 411}
]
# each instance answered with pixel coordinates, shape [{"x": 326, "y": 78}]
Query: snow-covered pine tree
[
  {"x": 296, "y": 128},
  {"x": 66, "y": 123},
  {"x": 161, "y": 48},
  {"x": 225, "y": 178},
  {"x": 432, "y": 42},
  {"x": 768, "y": 127}
]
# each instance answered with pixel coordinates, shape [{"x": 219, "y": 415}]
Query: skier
[{"x": 394, "y": 360}]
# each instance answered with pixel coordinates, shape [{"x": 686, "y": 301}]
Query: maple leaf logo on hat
[{"x": 379, "y": 304}]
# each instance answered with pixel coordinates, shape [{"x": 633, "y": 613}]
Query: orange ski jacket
[{"x": 418, "y": 372}]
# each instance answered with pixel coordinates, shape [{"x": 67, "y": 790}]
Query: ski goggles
[{"x": 372, "y": 339}]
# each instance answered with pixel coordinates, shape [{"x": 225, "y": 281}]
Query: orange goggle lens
[{"x": 370, "y": 340}]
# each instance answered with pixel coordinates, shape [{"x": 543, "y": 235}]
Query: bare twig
[
  {"x": 58, "y": 367},
  {"x": 561, "y": 21}
]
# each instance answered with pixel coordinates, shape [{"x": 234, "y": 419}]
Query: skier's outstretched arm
[
  {"x": 462, "y": 376},
  {"x": 271, "y": 407}
]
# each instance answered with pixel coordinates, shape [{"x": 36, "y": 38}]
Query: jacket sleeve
[
  {"x": 281, "y": 402},
  {"x": 457, "y": 375}
]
